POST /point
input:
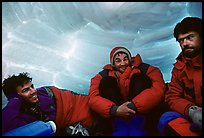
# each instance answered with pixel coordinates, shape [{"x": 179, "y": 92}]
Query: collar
[{"x": 182, "y": 61}]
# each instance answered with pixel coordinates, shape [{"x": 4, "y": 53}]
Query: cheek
[
  {"x": 181, "y": 46},
  {"x": 198, "y": 43},
  {"x": 117, "y": 64},
  {"x": 25, "y": 96},
  {"x": 127, "y": 62}
]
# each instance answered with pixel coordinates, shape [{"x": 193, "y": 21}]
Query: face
[
  {"x": 28, "y": 93},
  {"x": 121, "y": 62},
  {"x": 190, "y": 44}
]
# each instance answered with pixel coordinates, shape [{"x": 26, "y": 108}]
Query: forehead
[
  {"x": 186, "y": 34},
  {"x": 120, "y": 54},
  {"x": 25, "y": 85}
]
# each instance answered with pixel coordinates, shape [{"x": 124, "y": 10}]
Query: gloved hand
[
  {"x": 195, "y": 113},
  {"x": 76, "y": 130}
]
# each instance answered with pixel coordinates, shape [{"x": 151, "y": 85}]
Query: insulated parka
[
  {"x": 186, "y": 84},
  {"x": 144, "y": 102}
]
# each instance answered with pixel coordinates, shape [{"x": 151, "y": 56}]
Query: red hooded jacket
[
  {"x": 186, "y": 84},
  {"x": 144, "y": 102}
]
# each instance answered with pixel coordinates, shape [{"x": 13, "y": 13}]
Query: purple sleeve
[{"x": 12, "y": 117}]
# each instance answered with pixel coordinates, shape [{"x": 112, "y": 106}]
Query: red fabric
[
  {"x": 187, "y": 73},
  {"x": 144, "y": 102},
  {"x": 71, "y": 108},
  {"x": 182, "y": 127}
]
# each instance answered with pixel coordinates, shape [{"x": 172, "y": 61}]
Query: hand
[
  {"x": 195, "y": 113},
  {"x": 125, "y": 112}
]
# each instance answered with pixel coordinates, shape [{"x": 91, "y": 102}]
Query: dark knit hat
[
  {"x": 116, "y": 50},
  {"x": 188, "y": 24}
]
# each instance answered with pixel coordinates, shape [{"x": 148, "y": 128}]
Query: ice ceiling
[{"x": 66, "y": 43}]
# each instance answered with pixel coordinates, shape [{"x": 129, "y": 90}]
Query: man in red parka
[
  {"x": 184, "y": 96},
  {"x": 126, "y": 93}
]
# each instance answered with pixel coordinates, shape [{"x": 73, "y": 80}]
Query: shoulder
[
  {"x": 45, "y": 91},
  {"x": 137, "y": 60},
  {"x": 180, "y": 62},
  {"x": 108, "y": 67}
]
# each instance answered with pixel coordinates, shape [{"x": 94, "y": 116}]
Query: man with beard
[{"x": 184, "y": 95}]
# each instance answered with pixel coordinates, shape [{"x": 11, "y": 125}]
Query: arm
[
  {"x": 153, "y": 96},
  {"x": 105, "y": 107},
  {"x": 11, "y": 115},
  {"x": 175, "y": 96},
  {"x": 96, "y": 102}
]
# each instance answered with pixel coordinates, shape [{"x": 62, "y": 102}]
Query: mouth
[
  {"x": 123, "y": 68},
  {"x": 188, "y": 49},
  {"x": 34, "y": 97}
]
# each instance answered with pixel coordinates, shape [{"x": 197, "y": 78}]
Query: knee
[
  {"x": 108, "y": 84},
  {"x": 109, "y": 89},
  {"x": 138, "y": 83},
  {"x": 166, "y": 118},
  {"x": 140, "y": 80}
]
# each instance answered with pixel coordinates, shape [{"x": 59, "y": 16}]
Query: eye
[
  {"x": 126, "y": 58},
  {"x": 180, "y": 40},
  {"x": 25, "y": 90},
  {"x": 117, "y": 60},
  {"x": 190, "y": 37}
]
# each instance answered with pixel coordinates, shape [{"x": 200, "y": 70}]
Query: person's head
[
  {"x": 120, "y": 58},
  {"x": 188, "y": 33},
  {"x": 20, "y": 85}
]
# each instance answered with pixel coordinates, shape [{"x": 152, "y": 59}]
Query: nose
[
  {"x": 33, "y": 90},
  {"x": 185, "y": 43},
  {"x": 122, "y": 62}
]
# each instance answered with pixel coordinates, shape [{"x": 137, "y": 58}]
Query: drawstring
[{"x": 117, "y": 76}]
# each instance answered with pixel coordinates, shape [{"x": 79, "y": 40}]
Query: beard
[{"x": 191, "y": 52}]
